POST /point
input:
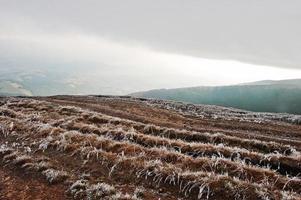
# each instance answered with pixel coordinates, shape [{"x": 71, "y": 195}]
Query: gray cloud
[
  {"x": 261, "y": 31},
  {"x": 119, "y": 47}
]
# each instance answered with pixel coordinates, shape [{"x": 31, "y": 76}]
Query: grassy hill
[{"x": 262, "y": 96}]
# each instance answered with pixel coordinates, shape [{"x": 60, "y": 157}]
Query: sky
[{"x": 119, "y": 47}]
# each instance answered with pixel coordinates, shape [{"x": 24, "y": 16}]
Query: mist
[{"x": 100, "y": 47}]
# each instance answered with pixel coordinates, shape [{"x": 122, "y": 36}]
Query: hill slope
[
  {"x": 263, "y": 96},
  {"x": 121, "y": 148}
]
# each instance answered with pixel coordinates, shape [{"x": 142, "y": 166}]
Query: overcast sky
[{"x": 138, "y": 44}]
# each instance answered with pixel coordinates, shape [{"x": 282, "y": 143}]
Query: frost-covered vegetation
[
  {"x": 218, "y": 112},
  {"x": 99, "y": 156}
]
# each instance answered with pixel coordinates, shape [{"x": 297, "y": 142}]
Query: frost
[
  {"x": 4, "y": 149},
  {"x": 45, "y": 143},
  {"x": 83, "y": 190},
  {"x": 139, "y": 193},
  {"x": 219, "y": 112},
  {"x": 100, "y": 190},
  {"x": 20, "y": 160},
  {"x": 55, "y": 176}
]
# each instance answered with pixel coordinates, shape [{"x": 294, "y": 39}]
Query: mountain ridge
[{"x": 261, "y": 96}]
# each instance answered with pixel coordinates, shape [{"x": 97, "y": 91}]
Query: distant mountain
[
  {"x": 11, "y": 88},
  {"x": 59, "y": 81},
  {"x": 20, "y": 83},
  {"x": 292, "y": 82},
  {"x": 261, "y": 96},
  {"x": 37, "y": 83}
]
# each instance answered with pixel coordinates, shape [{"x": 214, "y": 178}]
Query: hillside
[
  {"x": 110, "y": 147},
  {"x": 263, "y": 96}
]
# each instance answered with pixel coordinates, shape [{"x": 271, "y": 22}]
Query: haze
[{"x": 119, "y": 47}]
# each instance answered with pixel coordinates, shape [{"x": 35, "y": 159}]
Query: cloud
[
  {"x": 122, "y": 47},
  {"x": 261, "y": 32},
  {"x": 92, "y": 60}
]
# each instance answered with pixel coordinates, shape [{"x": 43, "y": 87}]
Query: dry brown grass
[{"x": 61, "y": 143}]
